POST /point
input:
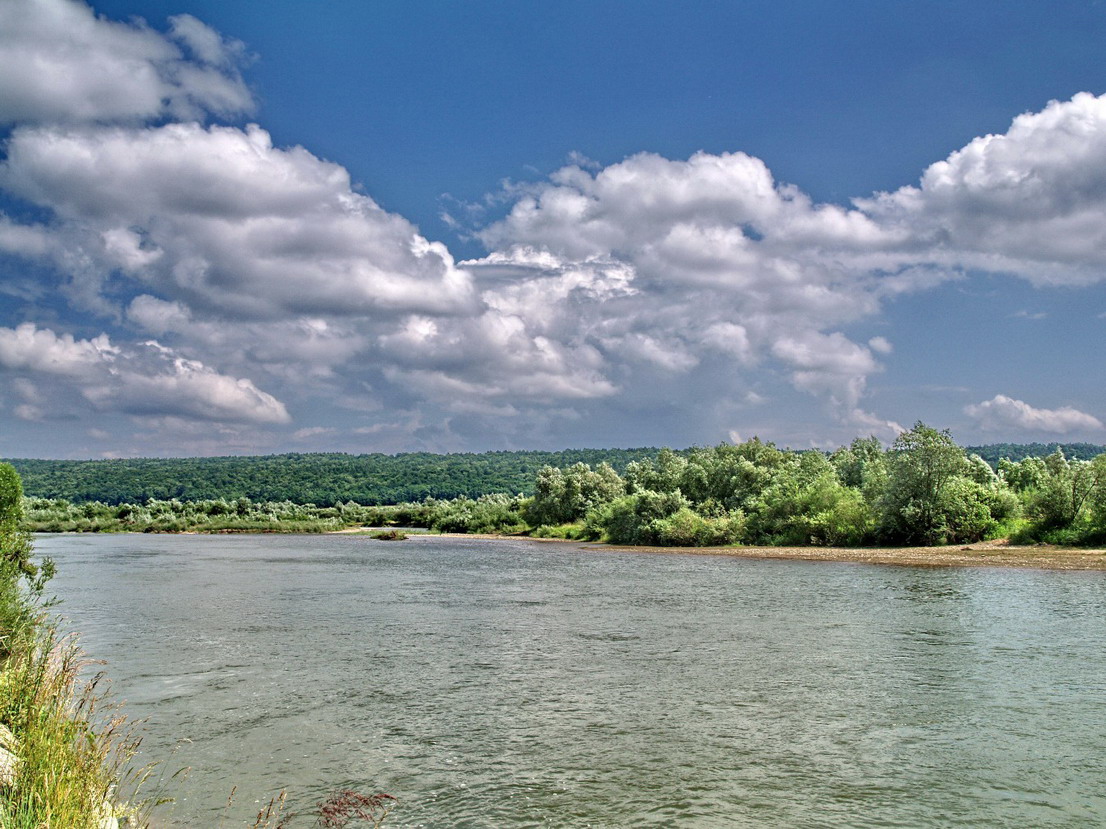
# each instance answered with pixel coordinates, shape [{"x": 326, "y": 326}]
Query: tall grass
[{"x": 70, "y": 749}]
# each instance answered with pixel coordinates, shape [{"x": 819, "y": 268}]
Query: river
[{"x": 516, "y": 683}]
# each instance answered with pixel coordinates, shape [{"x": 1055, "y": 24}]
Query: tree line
[
  {"x": 923, "y": 490},
  {"x": 330, "y": 479},
  {"x": 323, "y": 479}
]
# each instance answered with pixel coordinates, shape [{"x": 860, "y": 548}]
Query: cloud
[
  {"x": 220, "y": 220},
  {"x": 1002, "y": 412},
  {"x": 145, "y": 379},
  {"x": 1030, "y": 202},
  {"x": 41, "y": 350},
  {"x": 713, "y": 257},
  {"x": 880, "y": 345},
  {"x": 714, "y": 244},
  {"x": 605, "y": 288},
  {"x": 63, "y": 64},
  {"x": 312, "y": 431}
]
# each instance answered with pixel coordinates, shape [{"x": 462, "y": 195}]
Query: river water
[{"x": 516, "y": 683}]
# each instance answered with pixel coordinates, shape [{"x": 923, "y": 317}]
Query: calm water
[{"x": 523, "y": 684}]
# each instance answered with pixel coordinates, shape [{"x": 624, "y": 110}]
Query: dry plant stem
[
  {"x": 337, "y": 810},
  {"x": 273, "y": 812}
]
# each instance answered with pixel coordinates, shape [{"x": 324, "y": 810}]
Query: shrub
[
  {"x": 687, "y": 528},
  {"x": 631, "y": 518}
]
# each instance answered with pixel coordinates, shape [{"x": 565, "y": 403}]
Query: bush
[
  {"x": 687, "y": 528},
  {"x": 487, "y": 514},
  {"x": 569, "y": 532},
  {"x": 631, "y": 518}
]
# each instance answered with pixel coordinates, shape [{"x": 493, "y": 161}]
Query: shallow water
[{"x": 514, "y": 683}]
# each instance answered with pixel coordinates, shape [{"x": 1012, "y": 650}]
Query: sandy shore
[
  {"x": 983, "y": 554},
  {"x": 973, "y": 555}
]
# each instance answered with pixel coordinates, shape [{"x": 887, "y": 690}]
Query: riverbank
[
  {"x": 982, "y": 554},
  {"x": 1042, "y": 557}
]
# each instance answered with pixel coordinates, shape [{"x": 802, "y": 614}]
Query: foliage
[
  {"x": 923, "y": 461},
  {"x": 923, "y": 490},
  {"x": 1065, "y": 500},
  {"x": 936, "y": 494},
  {"x": 326, "y": 479},
  {"x": 15, "y": 542},
  {"x": 812, "y": 506},
  {"x": 994, "y": 453},
  {"x": 487, "y": 514},
  {"x": 565, "y": 496},
  {"x": 637, "y": 518},
  {"x": 567, "y": 532}
]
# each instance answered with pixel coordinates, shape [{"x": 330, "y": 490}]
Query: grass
[
  {"x": 67, "y": 749},
  {"x": 336, "y": 812},
  {"x": 73, "y": 749}
]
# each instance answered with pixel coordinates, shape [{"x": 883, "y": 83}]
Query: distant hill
[
  {"x": 327, "y": 479},
  {"x": 993, "y": 452},
  {"x": 322, "y": 479}
]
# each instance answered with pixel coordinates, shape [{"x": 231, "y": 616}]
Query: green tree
[
  {"x": 20, "y": 579},
  {"x": 1024, "y": 475},
  {"x": 923, "y": 461},
  {"x": 810, "y": 505},
  {"x": 564, "y": 496},
  {"x": 637, "y": 518},
  {"x": 663, "y": 474},
  {"x": 1065, "y": 491},
  {"x": 1098, "y": 498},
  {"x": 15, "y": 542}
]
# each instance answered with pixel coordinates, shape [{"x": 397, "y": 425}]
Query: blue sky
[{"x": 444, "y": 226}]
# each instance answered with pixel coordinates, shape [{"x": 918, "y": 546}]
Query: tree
[
  {"x": 564, "y": 496},
  {"x": 637, "y": 518},
  {"x": 15, "y": 542},
  {"x": 664, "y": 474},
  {"x": 922, "y": 464},
  {"x": 19, "y": 578},
  {"x": 1064, "y": 491}
]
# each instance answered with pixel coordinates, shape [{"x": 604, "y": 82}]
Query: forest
[
  {"x": 328, "y": 480},
  {"x": 922, "y": 490},
  {"x": 321, "y": 479}
]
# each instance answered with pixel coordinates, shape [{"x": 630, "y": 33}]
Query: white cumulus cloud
[
  {"x": 1030, "y": 201},
  {"x": 1003, "y": 413},
  {"x": 63, "y": 64},
  {"x": 140, "y": 379}
]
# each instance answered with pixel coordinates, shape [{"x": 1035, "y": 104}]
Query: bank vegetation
[{"x": 923, "y": 490}]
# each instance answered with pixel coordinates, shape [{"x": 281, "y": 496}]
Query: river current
[{"x": 517, "y": 683}]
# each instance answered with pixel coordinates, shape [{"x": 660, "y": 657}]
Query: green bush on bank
[
  {"x": 566, "y": 532},
  {"x": 922, "y": 490}
]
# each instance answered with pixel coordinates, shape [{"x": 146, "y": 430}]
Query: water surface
[{"x": 514, "y": 683}]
